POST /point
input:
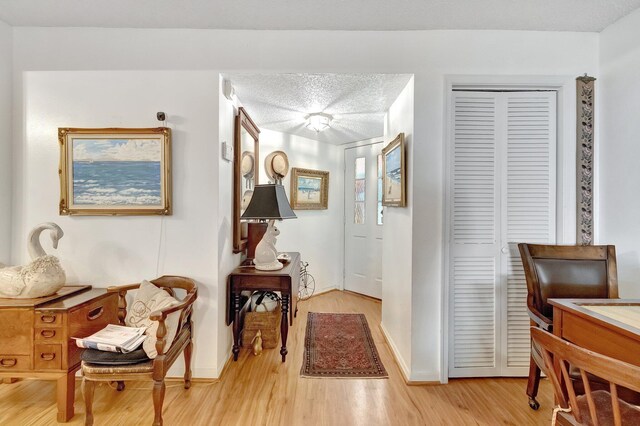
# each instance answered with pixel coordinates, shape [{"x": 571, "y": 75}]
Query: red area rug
[{"x": 340, "y": 345}]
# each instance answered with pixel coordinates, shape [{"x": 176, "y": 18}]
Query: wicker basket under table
[{"x": 267, "y": 322}]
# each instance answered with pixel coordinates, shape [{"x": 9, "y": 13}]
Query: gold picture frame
[
  {"x": 394, "y": 174},
  {"x": 309, "y": 189},
  {"x": 115, "y": 171}
]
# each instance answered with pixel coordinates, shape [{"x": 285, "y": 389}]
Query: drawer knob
[
  {"x": 95, "y": 313},
  {"x": 48, "y": 318},
  {"x": 48, "y": 333},
  {"x": 8, "y": 362},
  {"x": 48, "y": 356}
]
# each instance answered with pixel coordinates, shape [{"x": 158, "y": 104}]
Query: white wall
[
  {"x": 6, "y": 59},
  {"x": 397, "y": 282},
  {"x": 117, "y": 250},
  {"x": 618, "y": 95},
  {"x": 227, "y": 260},
  {"x": 429, "y": 55},
  {"x": 317, "y": 234}
]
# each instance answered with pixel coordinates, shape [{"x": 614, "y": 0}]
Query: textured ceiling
[
  {"x": 357, "y": 102},
  {"x": 544, "y": 15}
]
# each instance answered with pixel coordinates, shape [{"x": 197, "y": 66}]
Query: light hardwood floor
[{"x": 264, "y": 391}]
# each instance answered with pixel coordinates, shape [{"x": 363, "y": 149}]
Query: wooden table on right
[{"x": 608, "y": 326}]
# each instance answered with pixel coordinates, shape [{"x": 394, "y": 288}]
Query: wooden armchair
[
  {"x": 155, "y": 369},
  {"x": 599, "y": 407},
  {"x": 551, "y": 271}
]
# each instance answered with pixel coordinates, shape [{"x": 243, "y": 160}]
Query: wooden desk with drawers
[{"x": 36, "y": 336}]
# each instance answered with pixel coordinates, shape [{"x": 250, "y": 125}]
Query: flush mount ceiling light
[{"x": 318, "y": 121}]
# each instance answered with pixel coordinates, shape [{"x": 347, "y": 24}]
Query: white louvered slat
[
  {"x": 474, "y": 281},
  {"x": 529, "y": 197},
  {"x": 474, "y": 158},
  {"x": 502, "y": 191},
  {"x": 518, "y": 343}
]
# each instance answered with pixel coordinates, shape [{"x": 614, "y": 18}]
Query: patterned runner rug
[{"x": 340, "y": 345}]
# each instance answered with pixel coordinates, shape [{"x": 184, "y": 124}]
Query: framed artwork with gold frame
[
  {"x": 394, "y": 175},
  {"x": 309, "y": 189},
  {"x": 115, "y": 171}
]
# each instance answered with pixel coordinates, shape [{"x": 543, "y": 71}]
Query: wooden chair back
[
  {"x": 617, "y": 373},
  {"x": 170, "y": 283},
  {"x": 575, "y": 272}
]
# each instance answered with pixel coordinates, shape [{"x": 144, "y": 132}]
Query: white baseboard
[
  {"x": 197, "y": 373},
  {"x": 325, "y": 290},
  {"x": 396, "y": 353}
]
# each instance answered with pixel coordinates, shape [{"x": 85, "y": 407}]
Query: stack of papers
[{"x": 114, "y": 338}]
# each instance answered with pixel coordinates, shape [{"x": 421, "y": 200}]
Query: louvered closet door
[
  {"x": 529, "y": 210},
  {"x": 502, "y": 191}
]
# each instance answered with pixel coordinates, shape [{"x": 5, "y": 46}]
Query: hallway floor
[{"x": 264, "y": 391}]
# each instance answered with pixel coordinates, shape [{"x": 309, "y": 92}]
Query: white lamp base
[
  {"x": 266, "y": 257},
  {"x": 269, "y": 266}
]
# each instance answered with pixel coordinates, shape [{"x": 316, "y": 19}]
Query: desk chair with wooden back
[
  {"x": 575, "y": 272},
  {"x": 157, "y": 368},
  {"x": 594, "y": 407}
]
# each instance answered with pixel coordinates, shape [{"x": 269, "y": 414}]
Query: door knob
[{"x": 505, "y": 250}]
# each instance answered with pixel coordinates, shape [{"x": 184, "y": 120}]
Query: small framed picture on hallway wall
[
  {"x": 394, "y": 180},
  {"x": 309, "y": 189},
  {"x": 115, "y": 171}
]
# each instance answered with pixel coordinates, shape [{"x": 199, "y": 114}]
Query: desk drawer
[
  {"x": 14, "y": 362},
  {"x": 48, "y": 319},
  {"x": 48, "y": 357},
  {"x": 93, "y": 316},
  {"x": 48, "y": 335}
]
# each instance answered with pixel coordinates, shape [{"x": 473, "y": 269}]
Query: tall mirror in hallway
[{"x": 245, "y": 173}]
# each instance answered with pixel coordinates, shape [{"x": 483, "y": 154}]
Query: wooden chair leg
[
  {"x": 533, "y": 383},
  {"x": 158, "y": 398},
  {"x": 88, "y": 388},
  {"x": 187, "y": 364}
]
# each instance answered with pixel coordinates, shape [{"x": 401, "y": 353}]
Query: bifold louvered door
[{"x": 502, "y": 192}]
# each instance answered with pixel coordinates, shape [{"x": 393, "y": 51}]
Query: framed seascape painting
[
  {"x": 309, "y": 189},
  {"x": 115, "y": 171},
  {"x": 394, "y": 180}
]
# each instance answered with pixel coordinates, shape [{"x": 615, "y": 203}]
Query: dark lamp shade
[{"x": 268, "y": 202}]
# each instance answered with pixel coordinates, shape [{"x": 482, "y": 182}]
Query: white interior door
[
  {"x": 502, "y": 192},
  {"x": 363, "y": 220}
]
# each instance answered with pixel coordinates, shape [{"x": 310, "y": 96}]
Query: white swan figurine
[{"x": 42, "y": 277}]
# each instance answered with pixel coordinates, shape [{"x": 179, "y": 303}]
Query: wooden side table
[
  {"x": 36, "y": 336},
  {"x": 285, "y": 281}
]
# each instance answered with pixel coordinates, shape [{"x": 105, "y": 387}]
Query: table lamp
[{"x": 268, "y": 203}]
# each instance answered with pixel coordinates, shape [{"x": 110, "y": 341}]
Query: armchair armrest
[
  {"x": 542, "y": 321},
  {"x": 163, "y": 313},
  {"x": 185, "y": 307},
  {"x": 121, "y": 288}
]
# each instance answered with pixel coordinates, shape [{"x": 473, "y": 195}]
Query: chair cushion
[
  {"x": 148, "y": 299},
  {"x": 602, "y": 399},
  {"x": 93, "y": 356},
  {"x": 597, "y": 383},
  {"x": 142, "y": 367}
]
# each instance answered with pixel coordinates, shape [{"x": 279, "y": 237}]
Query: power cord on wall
[
  {"x": 160, "y": 116},
  {"x": 160, "y": 240}
]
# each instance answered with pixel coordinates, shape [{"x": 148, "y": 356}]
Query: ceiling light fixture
[{"x": 318, "y": 121}]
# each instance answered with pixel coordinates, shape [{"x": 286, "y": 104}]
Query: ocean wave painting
[
  {"x": 116, "y": 183},
  {"x": 117, "y": 172}
]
